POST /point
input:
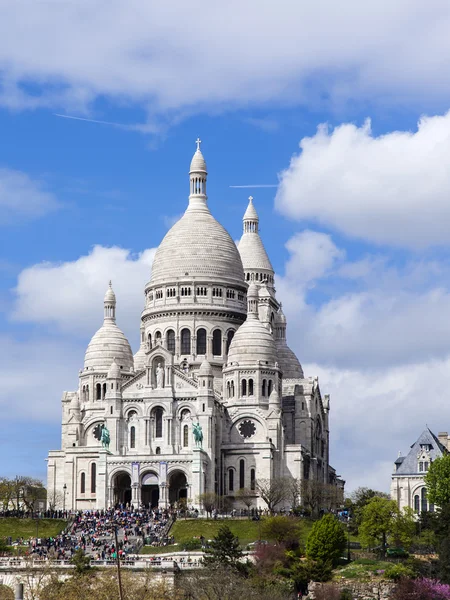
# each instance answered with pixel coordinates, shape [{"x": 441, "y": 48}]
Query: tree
[
  {"x": 294, "y": 491},
  {"x": 326, "y": 540},
  {"x": 224, "y": 549},
  {"x": 381, "y": 518},
  {"x": 81, "y": 561},
  {"x": 284, "y": 530},
  {"x": 437, "y": 481},
  {"x": 272, "y": 491},
  {"x": 246, "y": 496},
  {"x": 6, "y": 492},
  {"x": 210, "y": 501},
  {"x": 312, "y": 495}
]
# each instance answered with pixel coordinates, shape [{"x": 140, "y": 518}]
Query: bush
[
  {"x": 193, "y": 544},
  {"x": 346, "y": 594},
  {"x": 398, "y": 571},
  {"x": 421, "y": 589}
]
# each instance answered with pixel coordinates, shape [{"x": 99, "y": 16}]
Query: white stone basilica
[{"x": 213, "y": 351}]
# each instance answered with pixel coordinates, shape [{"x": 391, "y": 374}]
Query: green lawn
[
  {"x": 26, "y": 528},
  {"x": 246, "y": 530}
]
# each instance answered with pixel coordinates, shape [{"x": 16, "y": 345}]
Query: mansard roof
[{"x": 409, "y": 464}]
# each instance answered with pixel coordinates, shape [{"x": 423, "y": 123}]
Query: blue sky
[{"x": 357, "y": 227}]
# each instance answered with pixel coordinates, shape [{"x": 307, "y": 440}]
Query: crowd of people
[{"x": 94, "y": 532}]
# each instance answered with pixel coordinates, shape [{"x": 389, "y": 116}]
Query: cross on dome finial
[
  {"x": 250, "y": 198},
  {"x": 110, "y": 283},
  {"x": 198, "y": 141}
]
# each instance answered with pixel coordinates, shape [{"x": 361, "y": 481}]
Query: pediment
[{"x": 136, "y": 383}]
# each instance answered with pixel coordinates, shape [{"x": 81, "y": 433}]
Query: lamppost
[{"x": 64, "y": 499}]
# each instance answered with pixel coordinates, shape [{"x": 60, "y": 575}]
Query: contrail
[
  {"x": 256, "y": 185},
  {"x": 90, "y": 120}
]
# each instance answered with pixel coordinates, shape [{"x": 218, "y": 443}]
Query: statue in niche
[{"x": 159, "y": 376}]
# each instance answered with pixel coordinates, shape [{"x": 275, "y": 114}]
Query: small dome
[
  {"x": 140, "y": 359},
  {"x": 114, "y": 370},
  {"x": 108, "y": 342},
  {"x": 289, "y": 363},
  {"x": 281, "y": 318},
  {"x": 274, "y": 398},
  {"x": 198, "y": 163},
  {"x": 253, "y": 254},
  {"x": 75, "y": 402},
  {"x": 251, "y": 214},
  {"x": 110, "y": 296},
  {"x": 251, "y": 343},
  {"x": 205, "y": 368}
]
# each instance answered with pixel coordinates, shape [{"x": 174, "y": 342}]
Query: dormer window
[{"x": 423, "y": 466}]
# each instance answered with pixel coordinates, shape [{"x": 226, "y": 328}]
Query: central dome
[{"x": 197, "y": 247}]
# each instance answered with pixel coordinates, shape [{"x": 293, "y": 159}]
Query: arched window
[
  {"x": 185, "y": 436},
  {"x": 158, "y": 414},
  {"x": 149, "y": 340},
  {"x": 93, "y": 478},
  {"x": 103, "y": 391},
  {"x": 82, "y": 483},
  {"x": 230, "y": 336},
  {"x": 170, "y": 340},
  {"x": 98, "y": 391},
  {"x": 423, "y": 494},
  {"x": 417, "y": 504},
  {"x": 185, "y": 341},
  {"x": 252, "y": 480},
  {"x": 264, "y": 388},
  {"x": 201, "y": 341},
  {"x": 244, "y": 387},
  {"x": 231, "y": 480},
  {"x": 270, "y": 387},
  {"x": 232, "y": 389},
  {"x": 228, "y": 390},
  {"x": 158, "y": 337},
  {"x": 217, "y": 343},
  {"x": 133, "y": 437},
  {"x": 250, "y": 387},
  {"x": 158, "y": 450},
  {"x": 242, "y": 473}
]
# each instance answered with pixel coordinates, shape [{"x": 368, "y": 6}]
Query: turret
[{"x": 113, "y": 404}]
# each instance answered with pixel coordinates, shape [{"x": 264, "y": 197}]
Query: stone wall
[{"x": 381, "y": 590}]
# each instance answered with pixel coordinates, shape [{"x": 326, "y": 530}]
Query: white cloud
[
  {"x": 21, "y": 196},
  {"x": 34, "y": 373},
  {"x": 392, "y": 189},
  {"x": 182, "y": 56},
  {"x": 70, "y": 295},
  {"x": 377, "y": 413},
  {"x": 312, "y": 255},
  {"x": 377, "y": 334}
]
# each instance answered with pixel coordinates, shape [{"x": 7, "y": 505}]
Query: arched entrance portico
[
  {"x": 178, "y": 489},
  {"x": 150, "y": 490},
  {"x": 122, "y": 488}
]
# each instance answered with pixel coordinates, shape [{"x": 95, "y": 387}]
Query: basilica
[{"x": 214, "y": 400}]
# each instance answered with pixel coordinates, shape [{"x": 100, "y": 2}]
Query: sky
[{"x": 336, "y": 117}]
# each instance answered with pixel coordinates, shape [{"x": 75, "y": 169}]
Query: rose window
[{"x": 247, "y": 428}]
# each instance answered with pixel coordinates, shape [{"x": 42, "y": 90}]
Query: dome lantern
[
  {"x": 109, "y": 304},
  {"x": 197, "y": 175},
  {"x": 250, "y": 219}
]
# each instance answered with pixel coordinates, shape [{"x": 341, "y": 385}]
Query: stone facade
[
  {"x": 408, "y": 485},
  {"x": 213, "y": 352}
]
